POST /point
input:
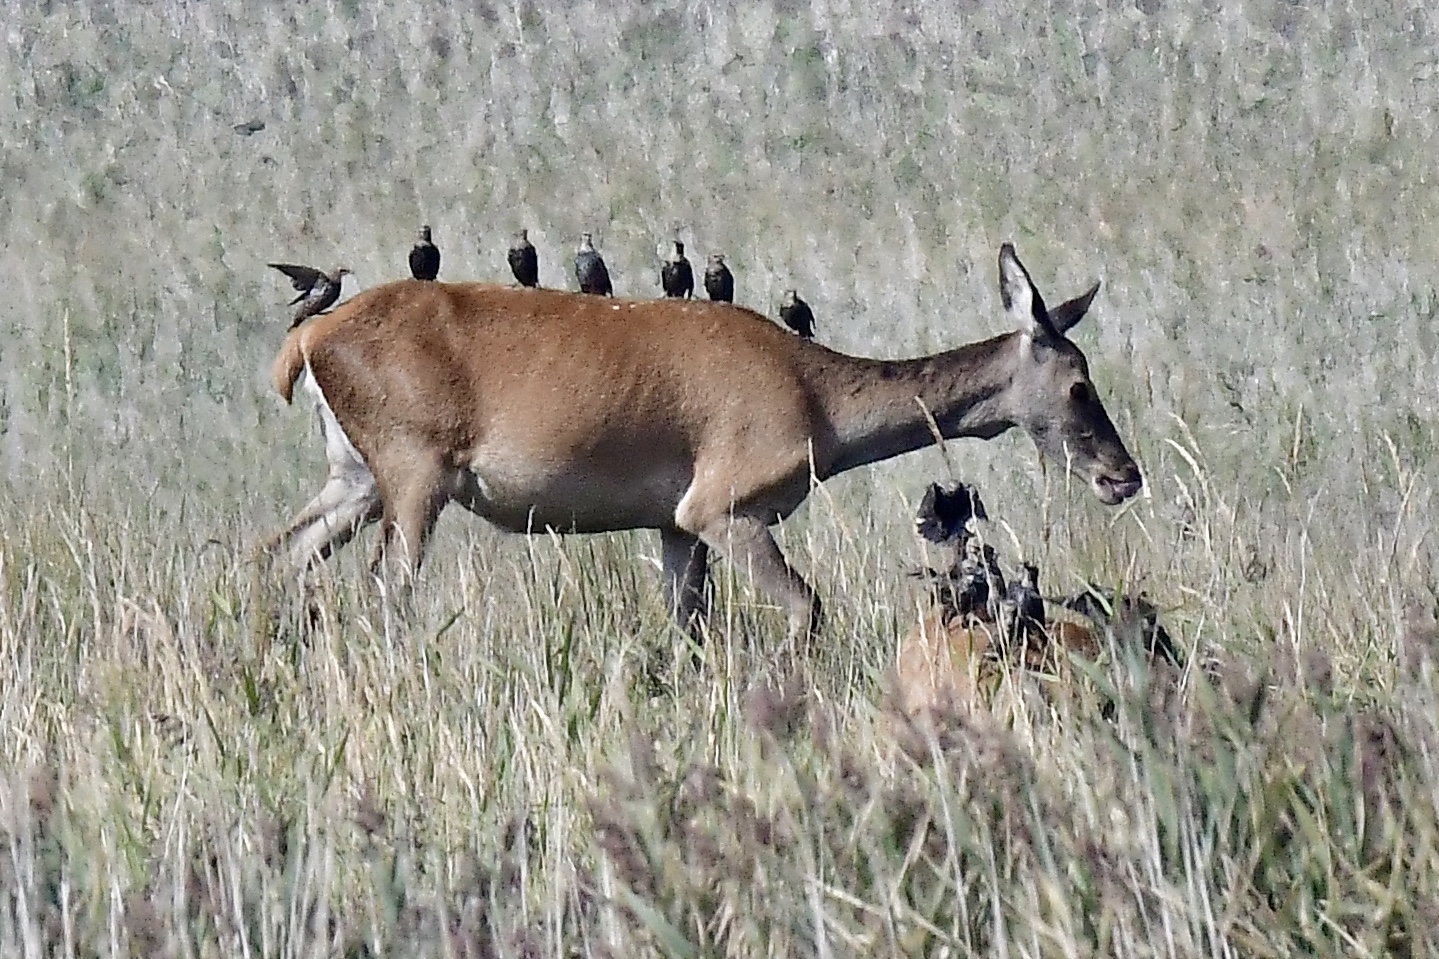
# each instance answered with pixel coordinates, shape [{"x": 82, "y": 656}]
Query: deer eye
[{"x": 1080, "y": 393}]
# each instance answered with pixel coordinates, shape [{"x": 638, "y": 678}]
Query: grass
[{"x": 531, "y": 768}]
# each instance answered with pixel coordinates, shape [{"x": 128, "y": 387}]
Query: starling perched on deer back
[
  {"x": 719, "y": 281},
  {"x": 797, "y": 315},
  {"x": 424, "y": 257},
  {"x": 676, "y": 275},
  {"x": 590, "y": 269},
  {"x": 524, "y": 262},
  {"x": 318, "y": 290}
]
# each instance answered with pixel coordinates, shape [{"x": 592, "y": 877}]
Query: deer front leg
[
  {"x": 685, "y": 560},
  {"x": 746, "y": 542}
]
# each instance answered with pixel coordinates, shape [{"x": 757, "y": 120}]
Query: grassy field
[{"x": 529, "y": 769}]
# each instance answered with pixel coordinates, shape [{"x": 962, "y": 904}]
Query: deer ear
[
  {"x": 1065, "y": 315},
  {"x": 1021, "y": 300}
]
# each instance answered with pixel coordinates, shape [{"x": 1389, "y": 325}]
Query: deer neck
[{"x": 880, "y": 408}]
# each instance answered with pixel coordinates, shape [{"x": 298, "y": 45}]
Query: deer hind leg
[
  {"x": 412, "y": 491},
  {"x": 746, "y": 542},
  {"x": 349, "y": 501},
  {"x": 344, "y": 506},
  {"x": 685, "y": 560}
]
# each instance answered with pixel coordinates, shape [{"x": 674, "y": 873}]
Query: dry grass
[{"x": 530, "y": 767}]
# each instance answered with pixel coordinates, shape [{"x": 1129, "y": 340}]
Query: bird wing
[
  {"x": 602, "y": 273},
  {"x": 976, "y": 504},
  {"x": 425, "y": 261},
  {"x": 943, "y": 514},
  {"x": 525, "y": 264},
  {"x": 303, "y": 278},
  {"x": 926, "y": 520}
]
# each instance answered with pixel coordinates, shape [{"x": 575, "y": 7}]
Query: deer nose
[
  {"x": 1127, "y": 488},
  {"x": 1127, "y": 480},
  {"x": 1117, "y": 484}
]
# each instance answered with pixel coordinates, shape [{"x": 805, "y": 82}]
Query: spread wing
[
  {"x": 303, "y": 278},
  {"x": 943, "y": 513},
  {"x": 927, "y": 522}
]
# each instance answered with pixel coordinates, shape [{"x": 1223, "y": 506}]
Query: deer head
[{"x": 1050, "y": 395}]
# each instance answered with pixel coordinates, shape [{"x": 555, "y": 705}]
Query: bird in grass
[
  {"x": 1023, "y": 608},
  {"x": 943, "y": 518},
  {"x": 944, "y": 514},
  {"x": 424, "y": 257},
  {"x": 719, "y": 281},
  {"x": 676, "y": 276},
  {"x": 1107, "y": 609},
  {"x": 524, "y": 262},
  {"x": 979, "y": 579},
  {"x": 318, "y": 291},
  {"x": 973, "y": 587},
  {"x": 590, "y": 269},
  {"x": 797, "y": 315}
]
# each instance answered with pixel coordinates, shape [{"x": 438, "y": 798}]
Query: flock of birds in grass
[
  {"x": 318, "y": 291},
  {"x": 982, "y": 617}
]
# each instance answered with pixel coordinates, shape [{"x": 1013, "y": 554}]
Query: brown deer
[
  {"x": 950, "y": 660},
  {"x": 948, "y": 663},
  {"x": 537, "y": 408}
]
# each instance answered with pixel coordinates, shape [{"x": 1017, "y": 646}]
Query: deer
[
  {"x": 539, "y": 409},
  {"x": 947, "y": 664},
  {"x": 950, "y": 660}
]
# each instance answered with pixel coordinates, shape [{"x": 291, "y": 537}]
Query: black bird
[
  {"x": 719, "y": 281},
  {"x": 424, "y": 257},
  {"x": 797, "y": 315},
  {"x": 1105, "y": 609},
  {"x": 676, "y": 276},
  {"x": 945, "y": 513},
  {"x": 318, "y": 291},
  {"x": 977, "y": 582},
  {"x": 1024, "y": 607},
  {"x": 524, "y": 263},
  {"x": 590, "y": 269}
]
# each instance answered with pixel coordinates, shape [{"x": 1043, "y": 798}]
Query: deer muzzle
[{"x": 1115, "y": 486}]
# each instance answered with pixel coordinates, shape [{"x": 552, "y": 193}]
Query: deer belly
[{"x": 523, "y": 495}]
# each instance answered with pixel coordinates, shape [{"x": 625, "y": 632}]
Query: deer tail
[{"x": 289, "y": 364}]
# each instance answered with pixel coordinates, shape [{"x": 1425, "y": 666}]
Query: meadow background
[{"x": 528, "y": 770}]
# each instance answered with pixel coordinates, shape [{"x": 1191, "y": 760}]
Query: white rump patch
[
  {"x": 343, "y": 457},
  {"x": 349, "y": 499}
]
